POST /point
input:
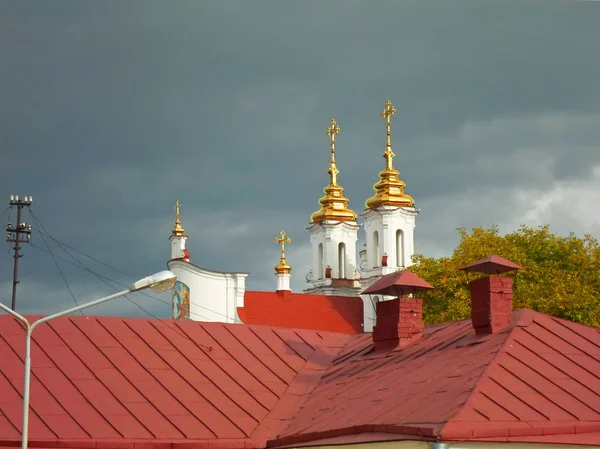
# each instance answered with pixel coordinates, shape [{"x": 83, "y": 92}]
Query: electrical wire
[
  {"x": 55, "y": 261},
  {"x": 62, "y": 245},
  {"x": 47, "y": 234},
  {"x": 104, "y": 279},
  {"x": 4, "y": 212}
]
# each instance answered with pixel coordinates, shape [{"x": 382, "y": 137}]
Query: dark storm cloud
[{"x": 112, "y": 110}]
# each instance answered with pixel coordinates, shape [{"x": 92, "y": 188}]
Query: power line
[
  {"x": 37, "y": 222},
  {"x": 4, "y": 212},
  {"x": 62, "y": 245},
  {"x": 104, "y": 279},
  {"x": 58, "y": 242}
]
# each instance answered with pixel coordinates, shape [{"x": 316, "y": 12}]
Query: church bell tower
[
  {"x": 333, "y": 235},
  {"x": 389, "y": 222}
]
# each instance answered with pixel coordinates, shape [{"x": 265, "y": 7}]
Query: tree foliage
[{"x": 560, "y": 275}]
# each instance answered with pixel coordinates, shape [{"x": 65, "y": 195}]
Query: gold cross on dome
[
  {"x": 332, "y": 131},
  {"x": 389, "y": 111},
  {"x": 177, "y": 209},
  {"x": 283, "y": 240}
]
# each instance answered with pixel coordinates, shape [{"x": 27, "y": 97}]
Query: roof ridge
[
  {"x": 299, "y": 390},
  {"x": 484, "y": 375}
]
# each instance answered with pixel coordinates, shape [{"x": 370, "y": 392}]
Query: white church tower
[
  {"x": 202, "y": 294},
  {"x": 333, "y": 235},
  {"x": 177, "y": 237},
  {"x": 389, "y": 222}
]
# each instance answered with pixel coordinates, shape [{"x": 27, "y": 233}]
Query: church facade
[{"x": 339, "y": 272}]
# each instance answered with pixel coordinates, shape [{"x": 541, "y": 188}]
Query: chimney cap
[
  {"x": 492, "y": 264},
  {"x": 399, "y": 283}
]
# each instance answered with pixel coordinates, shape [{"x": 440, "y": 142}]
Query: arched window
[
  {"x": 342, "y": 261},
  {"x": 376, "y": 256},
  {"x": 400, "y": 248},
  {"x": 320, "y": 272}
]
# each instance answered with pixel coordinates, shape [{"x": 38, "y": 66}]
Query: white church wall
[
  {"x": 325, "y": 239},
  {"x": 214, "y": 296},
  {"x": 388, "y": 231}
]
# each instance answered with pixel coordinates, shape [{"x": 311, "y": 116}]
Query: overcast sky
[{"x": 112, "y": 110}]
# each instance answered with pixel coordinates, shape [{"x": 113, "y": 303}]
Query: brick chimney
[
  {"x": 399, "y": 323},
  {"x": 491, "y": 304}
]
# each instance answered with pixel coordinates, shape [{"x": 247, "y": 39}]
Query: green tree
[{"x": 560, "y": 275}]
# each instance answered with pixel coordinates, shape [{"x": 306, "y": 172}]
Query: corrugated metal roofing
[
  {"x": 114, "y": 382},
  {"x": 124, "y": 380},
  {"x": 538, "y": 378}
]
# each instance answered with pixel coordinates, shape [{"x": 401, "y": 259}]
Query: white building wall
[
  {"x": 385, "y": 222},
  {"x": 214, "y": 296},
  {"x": 330, "y": 234},
  {"x": 283, "y": 281},
  {"x": 177, "y": 246}
]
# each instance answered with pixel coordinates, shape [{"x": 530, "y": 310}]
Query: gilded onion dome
[
  {"x": 389, "y": 191},
  {"x": 283, "y": 267},
  {"x": 177, "y": 229},
  {"x": 334, "y": 205}
]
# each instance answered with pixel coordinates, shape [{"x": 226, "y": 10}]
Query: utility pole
[{"x": 17, "y": 235}]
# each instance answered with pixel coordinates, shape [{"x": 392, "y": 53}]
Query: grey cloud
[{"x": 113, "y": 110}]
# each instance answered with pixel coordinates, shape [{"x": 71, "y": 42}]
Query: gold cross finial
[
  {"x": 333, "y": 130},
  {"x": 283, "y": 267},
  {"x": 177, "y": 230},
  {"x": 283, "y": 240},
  {"x": 387, "y": 113}
]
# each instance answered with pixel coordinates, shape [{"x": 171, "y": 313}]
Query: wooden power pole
[{"x": 21, "y": 233}]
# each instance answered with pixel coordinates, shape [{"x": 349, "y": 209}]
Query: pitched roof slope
[
  {"x": 537, "y": 381},
  {"x": 340, "y": 314},
  {"x": 119, "y": 380}
]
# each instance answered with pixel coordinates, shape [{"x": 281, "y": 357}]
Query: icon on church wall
[{"x": 181, "y": 302}]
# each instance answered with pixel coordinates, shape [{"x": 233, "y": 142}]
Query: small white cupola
[
  {"x": 283, "y": 270},
  {"x": 178, "y": 238}
]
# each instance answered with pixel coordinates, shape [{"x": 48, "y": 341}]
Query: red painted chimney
[
  {"x": 399, "y": 323},
  {"x": 491, "y": 297},
  {"x": 491, "y": 304}
]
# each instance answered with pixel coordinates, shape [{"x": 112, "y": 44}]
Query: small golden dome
[
  {"x": 389, "y": 191},
  {"x": 334, "y": 205},
  {"x": 283, "y": 267},
  {"x": 177, "y": 229}
]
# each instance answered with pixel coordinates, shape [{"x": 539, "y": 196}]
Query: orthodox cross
[
  {"x": 177, "y": 212},
  {"x": 283, "y": 240},
  {"x": 177, "y": 230},
  {"x": 332, "y": 131},
  {"x": 387, "y": 113}
]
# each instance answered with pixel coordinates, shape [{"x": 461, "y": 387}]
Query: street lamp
[{"x": 159, "y": 283}]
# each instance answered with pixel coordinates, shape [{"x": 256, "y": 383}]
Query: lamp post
[{"x": 159, "y": 283}]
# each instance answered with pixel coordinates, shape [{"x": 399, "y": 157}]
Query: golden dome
[
  {"x": 177, "y": 229},
  {"x": 334, "y": 205},
  {"x": 283, "y": 267},
  {"x": 389, "y": 191}
]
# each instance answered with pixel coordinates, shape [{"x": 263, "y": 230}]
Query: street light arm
[
  {"x": 81, "y": 307},
  {"x": 15, "y": 314}
]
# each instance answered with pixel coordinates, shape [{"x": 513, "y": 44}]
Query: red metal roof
[
  {"x": 128, "y": 383},
  {"x": 539, "y": 380},
  {"x": 117, "y": 381},
  {"x": 301, "y": 311}
]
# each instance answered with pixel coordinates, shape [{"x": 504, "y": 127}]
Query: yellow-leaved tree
[{"x": 560, "y": 275}]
